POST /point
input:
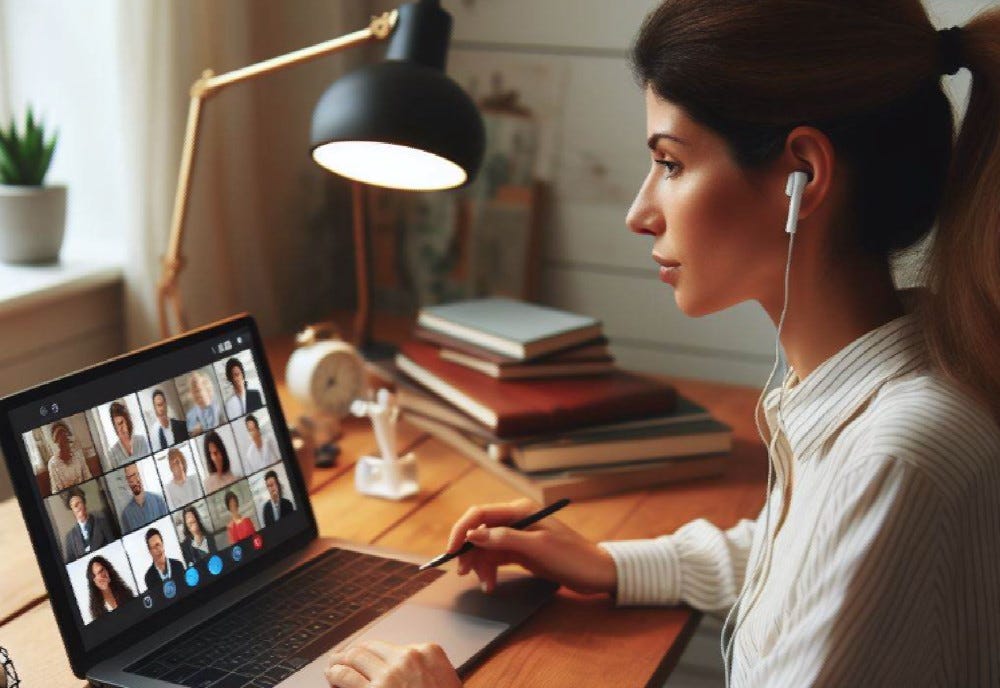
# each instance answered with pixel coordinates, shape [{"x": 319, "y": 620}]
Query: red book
[{"x": 521, "y": 407}]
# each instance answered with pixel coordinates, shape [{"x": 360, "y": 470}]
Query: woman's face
[
  {"x": 215, "y": 455},
  {"x": 234, "y": 508},
  {"x": 717, "y": 228},
  {"x": 121, "y": 429},
  {"x": 177, "y": 467},
  {"x": 65, "y": 449},
  {"x": 237, "y": 377},
  {"x": 192, "y": 524},
  {"x": 101, "y": 577}
]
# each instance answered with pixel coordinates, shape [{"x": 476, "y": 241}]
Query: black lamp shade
[{"x": 399, "y": 124}]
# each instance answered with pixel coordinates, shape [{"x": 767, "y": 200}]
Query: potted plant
[{"x": 32, "y": 215}]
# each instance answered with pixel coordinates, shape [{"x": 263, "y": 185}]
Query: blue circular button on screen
[
  {"x": 169, "y": 589},
  {"x": 237, "y": 553},
  {"x": 215, "y": 565},
  {"x": 191, "y": 577}
]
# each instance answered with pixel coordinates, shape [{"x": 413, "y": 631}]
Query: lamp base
[{"x": 377, "y": 351}]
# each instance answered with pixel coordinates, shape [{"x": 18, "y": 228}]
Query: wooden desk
[{"x": 574, "y": 641}]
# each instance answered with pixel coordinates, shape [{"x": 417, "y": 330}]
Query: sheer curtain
[{"x": 114, "y": 78}]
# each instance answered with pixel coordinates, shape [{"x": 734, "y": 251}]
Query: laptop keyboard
[{"x": 279, "y": 629}]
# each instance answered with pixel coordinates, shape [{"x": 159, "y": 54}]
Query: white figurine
[{"x": 387, "y": 476}]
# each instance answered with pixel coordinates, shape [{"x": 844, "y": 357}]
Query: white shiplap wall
[{"x": 568, "y": 61}]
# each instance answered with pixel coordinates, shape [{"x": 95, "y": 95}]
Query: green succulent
[{"x": 25, "y": 157}]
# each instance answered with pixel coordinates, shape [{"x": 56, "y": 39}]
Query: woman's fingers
[
  {"x": 343, "y": 676},
  {"x": 490, "y": 515},
  {"x": 362, "y": 659}
]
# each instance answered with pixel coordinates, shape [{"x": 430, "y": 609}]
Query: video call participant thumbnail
[
  {"x": 130, "y": 445},
  {"x": 167, "y": 431},
  {"x": 262, "y": 450},
  {"x": 277, "y": 506},
  {"x": 162, "y": 569},
  {"x": 107, "y": 589},
  {"x": 144, "y": 507},
  {"x": 239, "y": 527},
  {"x": 217, "y": 463},
  {"x": 243, "y": 400},
  {"x": 90, "y": 532},
  {"x": 182, "y": 488},
  {"x": 198, "y": 544},
  {"x": 66, "y": 467},
  {"x": 206, "y": 413}
]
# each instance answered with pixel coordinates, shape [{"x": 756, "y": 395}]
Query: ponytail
[{"x": 962, "y": 313}]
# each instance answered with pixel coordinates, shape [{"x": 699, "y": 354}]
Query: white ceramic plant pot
[{"x": 32, "y": 223}]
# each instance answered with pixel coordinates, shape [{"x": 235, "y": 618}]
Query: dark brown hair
[
  {"x": 119, "y": 588},
  {"x": 214, "y": 438},
  {"x": 867, "y": 74},
  {"x": 118, "y": 408}
]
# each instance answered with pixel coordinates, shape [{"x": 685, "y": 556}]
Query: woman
[
  {"x": 197, "y": 544},
  {"x": 182, "y": 489},
  {"x": 239, "y": 527},
  {"x": 217, "y": 463},
  {"x": 874, "y": 559},
  {"x": 107, "y": 589},
  {"x": 129, "y": 446},
  {"x": 67, "y": 467}
]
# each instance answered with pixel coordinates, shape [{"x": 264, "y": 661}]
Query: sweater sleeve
[{"x": 700, "y": 564}]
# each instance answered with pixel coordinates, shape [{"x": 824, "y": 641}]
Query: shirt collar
[{"x": 814, "y": 409}]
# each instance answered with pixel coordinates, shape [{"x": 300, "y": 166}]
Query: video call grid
[{"x": 252, "y": 403}]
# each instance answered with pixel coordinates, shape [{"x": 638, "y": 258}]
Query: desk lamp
[{"x": 400, "y": 124}]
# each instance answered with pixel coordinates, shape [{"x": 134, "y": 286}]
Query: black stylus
[{"x": 520, "y": 524}]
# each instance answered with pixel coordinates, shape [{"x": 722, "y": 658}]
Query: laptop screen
[{"x": 160, "y": 478}]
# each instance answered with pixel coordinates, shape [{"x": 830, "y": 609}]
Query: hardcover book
[
  {"x": 511, "y": 408},
  {"x": 582, "y": 484},
  {"x": 514, "y": 329}
]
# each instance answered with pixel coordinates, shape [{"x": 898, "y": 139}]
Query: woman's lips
[{"x": 669, "y": 270}]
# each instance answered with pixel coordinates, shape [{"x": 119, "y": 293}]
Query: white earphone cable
[{"x": 762, "y": 562}]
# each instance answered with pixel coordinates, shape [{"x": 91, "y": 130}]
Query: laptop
[{"x": 174, "y": 533}]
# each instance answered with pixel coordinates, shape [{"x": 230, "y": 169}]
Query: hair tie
[{"x": 950, "y": 50}]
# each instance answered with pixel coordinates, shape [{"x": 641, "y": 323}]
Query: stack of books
[{"x": 532, "y": 394}]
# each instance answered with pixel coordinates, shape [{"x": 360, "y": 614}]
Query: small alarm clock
[{"x": 327, "y": 374}]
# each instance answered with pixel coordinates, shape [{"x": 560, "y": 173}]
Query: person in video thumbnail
[
  {"x": 239, "y": 527},
  {"x": 66, "y": 468},
  {"x": 206, "y": 413},
  {"x": 145, "y": 507},
  {"x": 90, "y": 532},
  {"x": 168, "y": 431},
  {"x": 184, "y": 488},
  {"x": 107, "y": 589},
  {"x": 162, "y": 569},
  {"x": 243, "y": 400},
  {"x": 277, "y": 507},
  {"x": 197, "y": 544},
  {"x": 220, "y": 471},
  {"x": 129, "y": 445},
  {"x": 262, "y": 451}
]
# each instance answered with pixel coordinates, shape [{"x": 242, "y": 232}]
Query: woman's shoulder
[{"x": 933, "y": 426}]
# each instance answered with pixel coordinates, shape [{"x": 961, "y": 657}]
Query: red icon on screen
[{"x": 258, "y": 541}]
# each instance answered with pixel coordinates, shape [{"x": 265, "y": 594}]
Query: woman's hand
[
  {"x": 548, "y": 549},
  {"x": 375, "y": 663}
]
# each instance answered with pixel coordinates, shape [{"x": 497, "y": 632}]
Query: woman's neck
[
  {"x": 109, "y": 598},
  {"x": 830, "y": 304}
]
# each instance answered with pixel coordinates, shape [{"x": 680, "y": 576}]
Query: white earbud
[{"x": 793, "y": 189}]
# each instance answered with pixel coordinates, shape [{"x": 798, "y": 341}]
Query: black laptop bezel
[{"x": 24, "y": 484}]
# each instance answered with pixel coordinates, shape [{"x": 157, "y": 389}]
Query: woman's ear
[{"x": 810, "y": 150}]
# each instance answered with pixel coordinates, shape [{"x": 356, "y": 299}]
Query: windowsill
[{"x": 23, "y": 286}]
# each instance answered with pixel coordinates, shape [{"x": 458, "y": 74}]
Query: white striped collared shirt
[{"x": 886, "y": 570}]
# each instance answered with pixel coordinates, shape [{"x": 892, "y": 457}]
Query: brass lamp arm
[{"x": 168, "y": 294}]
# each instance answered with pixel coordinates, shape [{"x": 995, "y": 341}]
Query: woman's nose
[{"x": 644, "y": 216}]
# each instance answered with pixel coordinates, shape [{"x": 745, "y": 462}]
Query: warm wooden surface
[{"x": 574, "y": 641}]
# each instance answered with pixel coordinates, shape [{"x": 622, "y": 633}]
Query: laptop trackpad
[{"x": 462, "y": 636}]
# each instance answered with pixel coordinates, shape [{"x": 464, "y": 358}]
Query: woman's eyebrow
[{"x": 654, "y": 139}]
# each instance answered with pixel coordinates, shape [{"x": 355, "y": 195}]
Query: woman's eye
[{"x": 670, "y": 166}]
